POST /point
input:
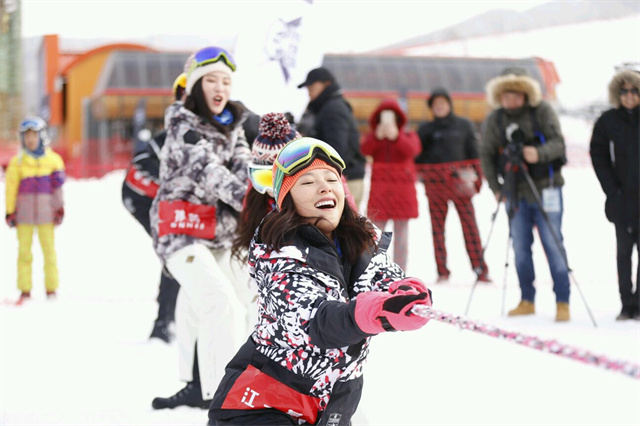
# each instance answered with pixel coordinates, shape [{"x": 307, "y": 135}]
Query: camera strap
[{"x": 541, "y": 137}]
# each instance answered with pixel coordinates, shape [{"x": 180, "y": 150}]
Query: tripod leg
[
  {"x": 473, "y": 289},
  {"x": 484, "y": 249},
  {"x": 575, "y": 283},
  {"x": 506, "y": 268}
]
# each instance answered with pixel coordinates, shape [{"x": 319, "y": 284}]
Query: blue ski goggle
[
  {"x": 212, "y": 54},
  {"x": 34, "y": 123}
]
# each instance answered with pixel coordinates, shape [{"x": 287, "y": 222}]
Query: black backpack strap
[{"x": 503, "y": 126}]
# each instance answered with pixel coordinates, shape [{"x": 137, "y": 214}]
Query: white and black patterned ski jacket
[
  {"x": 200, "y": 165},
  {"x": 306, "y": 348}
]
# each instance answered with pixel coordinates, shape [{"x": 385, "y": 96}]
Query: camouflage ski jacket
[{"x": 203, "y": 179}]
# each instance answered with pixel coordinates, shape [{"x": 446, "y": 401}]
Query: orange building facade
[{"x": 89, "y": 100}]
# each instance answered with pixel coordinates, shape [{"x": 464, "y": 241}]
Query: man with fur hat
[
  {"x": 614, "y": 154},
  {"x": 524, "y": 129}
]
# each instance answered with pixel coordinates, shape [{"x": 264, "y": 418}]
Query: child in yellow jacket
[{"x": 34, "y": 201}]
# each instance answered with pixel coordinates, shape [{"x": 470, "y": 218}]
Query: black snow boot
[
  {"x": 190, "y": 396},
  {"x": 161, "y": 331},
  {"x": 626, "y": 313}
]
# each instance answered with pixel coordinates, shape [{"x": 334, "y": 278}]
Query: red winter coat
[{"x": 393, "y": 175}]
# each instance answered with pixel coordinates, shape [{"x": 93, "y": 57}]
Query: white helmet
[{"x": 36, "y": 124}]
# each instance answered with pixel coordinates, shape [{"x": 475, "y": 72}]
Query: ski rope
[{"x": 549, "y": 346}]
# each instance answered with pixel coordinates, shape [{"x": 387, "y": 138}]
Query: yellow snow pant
[{"x": 25, "y": 258}]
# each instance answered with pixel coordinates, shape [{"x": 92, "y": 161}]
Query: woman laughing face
[{"x": 318, "y": 196}]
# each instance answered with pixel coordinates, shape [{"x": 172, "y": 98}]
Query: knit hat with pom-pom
[{"x": 274, "y": 132}]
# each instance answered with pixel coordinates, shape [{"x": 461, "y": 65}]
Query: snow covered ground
[{"x": 84, "y": 359}]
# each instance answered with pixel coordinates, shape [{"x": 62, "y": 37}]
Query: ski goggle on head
[
  {"x": 32, "y": 123},
  {"x": 261, "y": 177},
  {"x": 212, "y": 54},
  {"x": 298, "y": 154}
]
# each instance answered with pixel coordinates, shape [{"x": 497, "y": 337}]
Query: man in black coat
[
  {"x": 614, "y": 153},
  {"x": 329, "y": 117}
]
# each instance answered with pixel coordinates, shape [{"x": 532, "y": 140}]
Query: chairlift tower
[{"x": 10, "y": 70}]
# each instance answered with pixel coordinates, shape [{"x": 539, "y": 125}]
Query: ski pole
[{"x": 550, "y": 346}]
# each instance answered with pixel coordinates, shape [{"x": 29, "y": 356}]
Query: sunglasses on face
[
  {"x": 633, "y": 91},
  {"x": 261, "y": 177}
]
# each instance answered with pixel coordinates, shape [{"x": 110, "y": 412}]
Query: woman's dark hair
[
  {"x": 355, "y": 233},
  {"x": 256, "y": 207},
  {"x": 197, "y": 104}
]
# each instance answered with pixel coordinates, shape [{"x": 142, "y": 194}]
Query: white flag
[{"x": 274, "y": 56}]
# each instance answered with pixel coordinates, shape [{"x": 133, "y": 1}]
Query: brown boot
[
  {"x": 524, "y": 308},
  {"x": 562, "y": 313}
]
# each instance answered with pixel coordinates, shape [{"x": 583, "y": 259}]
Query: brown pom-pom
[{"x": 274, "y": 125}]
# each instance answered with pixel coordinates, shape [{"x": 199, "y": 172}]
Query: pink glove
[
  {"x": 409, "y": 284},
  {"x": 376, "y": 311},
  {"x": 11, "y": 220},
  {"x": 58, "y": 216}
]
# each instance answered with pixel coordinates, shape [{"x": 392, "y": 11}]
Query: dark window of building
[
  {"x": 131, "y": 68},
  {"x": 156, "y": 71}
]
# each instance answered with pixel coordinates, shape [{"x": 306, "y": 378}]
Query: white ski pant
[{"x": 211, "y": 310}]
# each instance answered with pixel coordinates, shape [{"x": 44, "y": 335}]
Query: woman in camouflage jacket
[{"x": 203, "y": 179}]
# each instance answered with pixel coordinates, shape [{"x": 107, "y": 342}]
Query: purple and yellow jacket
[{"x": 34, "y": 187}]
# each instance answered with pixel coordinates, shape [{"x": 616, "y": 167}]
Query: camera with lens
[
  {"x": 516, "y": 138},
  {"x": 511, "y": 153}
]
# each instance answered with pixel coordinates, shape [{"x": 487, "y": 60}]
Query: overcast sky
[{"x": 356, "y": 25}]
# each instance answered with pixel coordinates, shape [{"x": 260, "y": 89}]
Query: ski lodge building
[{"x": 91, "y": 99}]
